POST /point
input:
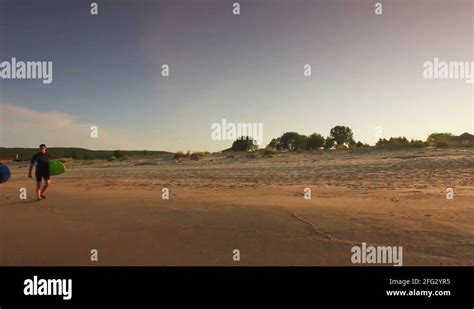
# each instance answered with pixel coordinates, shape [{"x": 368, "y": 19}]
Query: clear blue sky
[{"x": 367, "y": 70}]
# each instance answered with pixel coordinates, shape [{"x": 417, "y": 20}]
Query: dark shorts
[{"x": 42, "y": 175}]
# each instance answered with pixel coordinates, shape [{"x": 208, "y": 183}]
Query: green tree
[
  {"x": 293, "y": 141},
  {"x": 301, "y": 142},
  {"x": 329, "y": 143},
  {"x": 315, "y": 141},
  {"x": 244, "y": 144},
  {"x": 342, "y": 135},
  {"x": 275, "y": 143},
  {"x": 352, "y": 143},
  {"x": 381, "y": 142},
  {"x": 288, "y": 140}
]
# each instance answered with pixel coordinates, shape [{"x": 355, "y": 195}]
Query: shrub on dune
[
  {"x": 181, "y": 155},
  {"x": 118, "y": 154},
  {"x": 442, "y": 144},
  {"x": 196, "y": 156},
  {"x": 268, "y": 152},
  {"x": 399, "y": 143}
]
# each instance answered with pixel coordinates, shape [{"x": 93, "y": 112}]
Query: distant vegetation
[
  {"x": 342, "y": 135},
  {"x": 399, "y": 142},
  {"x": 315, "y": 141},
  {"x": 445, "y": 140},
  {"x": 341, "y": 138},
  {"x": 180, "y": 155},
  {"x": 77, "y": 153},
  {"x": 244, "y": 143},
  {"x": 188, "y": 155},
  {"x": 438, "y": 140}
]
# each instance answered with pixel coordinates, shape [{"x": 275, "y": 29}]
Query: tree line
[{"x": 341, "y": 137}]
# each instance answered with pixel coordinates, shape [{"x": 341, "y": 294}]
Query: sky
[{"x": 366, "y": 70}]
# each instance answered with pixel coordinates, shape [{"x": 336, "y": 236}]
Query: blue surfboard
[{"x": 4, "y": 173}]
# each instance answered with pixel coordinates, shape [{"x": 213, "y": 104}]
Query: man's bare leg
[
  {"x": 45, "y": 187},
  {"x": 38, "y": 190}
]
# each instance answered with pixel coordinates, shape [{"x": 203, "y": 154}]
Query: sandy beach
[{"x": 225, "y": 202}]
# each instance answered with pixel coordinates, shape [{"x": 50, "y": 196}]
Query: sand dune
[{"x": 256, "y": 205}]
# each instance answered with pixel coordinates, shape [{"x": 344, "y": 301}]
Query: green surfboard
[{"x": 56, "y": 168}]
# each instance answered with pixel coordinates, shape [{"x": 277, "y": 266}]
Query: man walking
[{"x": 41, "y": 162}]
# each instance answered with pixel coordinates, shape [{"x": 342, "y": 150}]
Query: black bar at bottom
[{"x": 241, "y": 285}]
